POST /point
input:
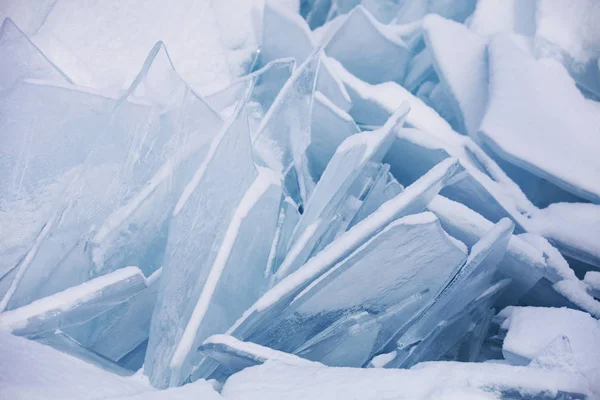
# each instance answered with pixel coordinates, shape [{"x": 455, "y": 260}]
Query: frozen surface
[
  {"x": 430, "y": 380},
  {"x": 531, "y": 330}
]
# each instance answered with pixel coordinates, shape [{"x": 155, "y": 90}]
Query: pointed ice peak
[
  {"x": 20, "y": 58},
  {"x": 157, "y": 82},
  {"x": 361, "y": 29}
]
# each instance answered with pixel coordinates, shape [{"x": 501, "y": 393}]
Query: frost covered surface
[{"x": 300, "y": 199}]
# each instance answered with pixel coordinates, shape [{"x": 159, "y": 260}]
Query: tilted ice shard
[
  {"x": 447, "y": 332},
  {"x": 74, "y": 305},
  {"x": 385, "y": 271},
  {"x": 235, "y": 355},
  {"x": 121, "y": 329},
  {"x": 116, "y": 209},
  {"x": 329, "y": 128},
  {"x": 519, "y": 137},
  {"x": 21, "y": 59},
  {"x": 286, "y": 223},
  {"x": 361, "y": 29},
  {"x": 335, "y": 186},
  {"x": 469, "y": 96},
  {"x": 419, "y": 71},
  {"x": 470, "y": 281},
  {"x": 284, "y": 133},
  {"x": 414, "y": 199},
  {"x": 203, "y": 230}
]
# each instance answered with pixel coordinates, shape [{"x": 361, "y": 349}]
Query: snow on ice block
[
  {"x": 574, "y": 228},
  {"x": 201, "y": 235},
  {"x": 21, "y": 59},
  {"x": 469, "y": 282},
  {"x": 360, "y": 30},
  {"x": 532, "y": 329},
  {"x": 385, "y": 271},
  {"x": 274, "y": 381},
  {"x": 29, "y": 370},
  {"x": 344, "y": 177},
  {"x": 116, "y": 209},
  {"x": 517, "y": 127},
  {"x": 75, "y": 305},
  {"x": 197, "y": 390},
  {"x": 458, "y": 53},
  {"x": 507, "y": 16},
  {"x": 412, "y": 11},
  {"x": 329, "y": 128},
  {"x": 118, "y": 331},
  {"x": 412, "y": 200},
  {"x": 235, "y": 355},
  {"x": 284, "y": 133}
]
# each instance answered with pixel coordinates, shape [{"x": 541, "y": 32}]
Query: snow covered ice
[{"x": 300, "y": 199}]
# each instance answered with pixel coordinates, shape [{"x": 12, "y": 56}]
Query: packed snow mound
[{"x": 299, "y": 199}]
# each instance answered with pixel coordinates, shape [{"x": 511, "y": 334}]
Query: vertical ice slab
[
  {"x": 469, "y": 96},
  {"x": 203, "y": 229},
  {"x": 284, "y": 134},
  {"x": 361, "y": 30},
  {"x": 414, "y": 199},
  {"x": 74, "y": 305},
  {"x": 21, "y": 59},
  {"x": 329, "y": 128}
]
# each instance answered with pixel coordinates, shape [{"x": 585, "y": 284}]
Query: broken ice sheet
[
  {"x": 361, "y": 30},
  {"x": 74, "y": 305},
  {"x": 344, "y": 177},
  {"x": 21, "y": 59},
  {"x": 386, "y": 270},
  {"x": 513, "y": 71},
  {"x": 414, "y": 199},
  {"x": 116, "y": 209},
  {"x": 119, "y": 330},
  {"x": 471, "y": 281}
]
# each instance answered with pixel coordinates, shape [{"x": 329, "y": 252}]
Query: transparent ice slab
[
  {"x": 361, "y": 30},
  {"x": 75, "y": 305},
  {"x": 115, "y": 210}
]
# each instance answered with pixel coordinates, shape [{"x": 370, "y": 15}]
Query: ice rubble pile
[{"x": 370, "y": 189}]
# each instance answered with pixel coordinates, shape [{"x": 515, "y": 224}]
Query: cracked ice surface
[{"x": 299, "y": 199}]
